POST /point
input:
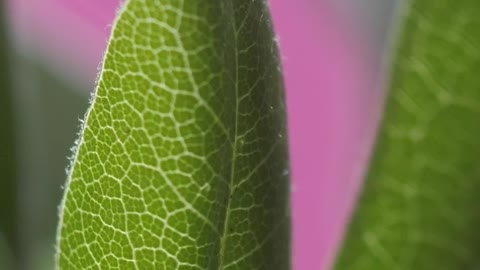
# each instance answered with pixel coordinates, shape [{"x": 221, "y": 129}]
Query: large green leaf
[
  {"x": 182, "y": 160},
  {"x": 420, "y": 207}
]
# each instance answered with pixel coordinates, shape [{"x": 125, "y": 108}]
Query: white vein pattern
[{"x": 181, "y": 158}]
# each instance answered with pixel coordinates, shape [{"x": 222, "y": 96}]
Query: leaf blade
[
  {"x": 188, "y": 120},
  {"x": 418, "y": 209}
]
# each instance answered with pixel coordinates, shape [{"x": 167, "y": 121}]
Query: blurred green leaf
[
  {"x": 8, "y": 165},
  {"x": 49, "y": 108},
  {"x": 182, "y": 158},
  {"x": 420, "y": 207},
  {"x": 6, "y": 261}
]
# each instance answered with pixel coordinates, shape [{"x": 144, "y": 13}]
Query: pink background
[{"x": 329, "y": 87}]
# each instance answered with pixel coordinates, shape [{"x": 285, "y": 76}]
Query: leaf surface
[
  {"x": 182, "y": 160},
  {"x": 420, "y": 207}
]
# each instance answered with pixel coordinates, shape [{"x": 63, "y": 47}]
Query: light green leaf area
[
  {"x": 182, "y": 160},
  {"x": 420, "y": 207}
]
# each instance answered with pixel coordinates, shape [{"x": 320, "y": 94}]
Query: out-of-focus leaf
[
  {"x": 182, "y": 159},
  {"x": 420, "y": 207},
  {"x": 8, "y": 178},
  {"x": 49, "y": 108},
  {"x": 6, "y": 260}
]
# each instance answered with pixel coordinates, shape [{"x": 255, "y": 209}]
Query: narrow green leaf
[
  {"x": 182, "y": 160},
  {"x": 8, "y": 179},
  {"x": 420, "y": 207}
]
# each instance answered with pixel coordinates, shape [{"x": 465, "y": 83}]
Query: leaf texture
[
  {"x": 420, "y": 207},
  {"x": 182, "y": 160}
]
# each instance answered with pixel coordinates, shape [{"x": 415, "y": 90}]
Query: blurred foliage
[
  {"x": 8, "y": 201},
  {"x": 419, "y": 208},
  {"x": 5, "y": 256},
  {"x": 48, "y": 117},
  {"x": 33, "y": 153}
]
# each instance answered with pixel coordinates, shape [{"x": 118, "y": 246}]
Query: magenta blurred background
[{"x": 331, "y": 54}]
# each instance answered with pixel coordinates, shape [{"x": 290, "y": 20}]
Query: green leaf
[
  {"x": 8, "y": 174},
  {"x": 182, "y": 160},
  {"x": 420, "y": 207}
]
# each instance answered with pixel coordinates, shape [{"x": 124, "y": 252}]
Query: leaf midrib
[{"x": 224, "y": 232}]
